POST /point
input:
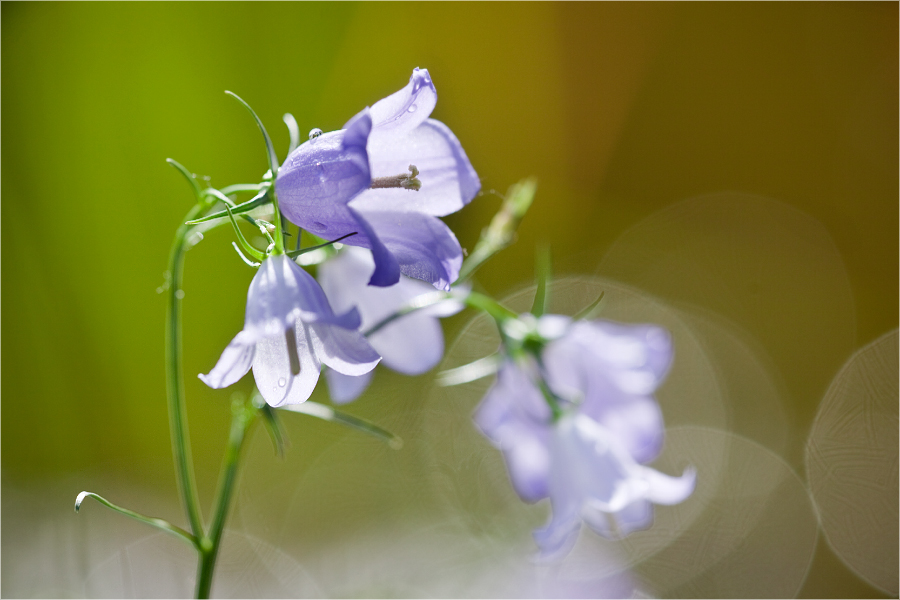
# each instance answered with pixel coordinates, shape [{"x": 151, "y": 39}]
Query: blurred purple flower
[
  {"x": 289, "y": 331},
  {"x": 588, "y": 460},
  {"x": 411, "y": 345},
  {"x": 387, "y": 175}
]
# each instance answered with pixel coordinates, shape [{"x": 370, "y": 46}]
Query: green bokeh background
[{"x": 618, "y": 110}]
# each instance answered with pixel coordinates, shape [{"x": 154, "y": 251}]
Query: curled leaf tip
[{"x": 80, "y": 499}]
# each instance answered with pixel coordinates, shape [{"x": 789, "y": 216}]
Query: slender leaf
[
  {"x": 270, "y": 149},
  {"x": 471, "y": 372},
  {"x": 327, "y": 413},
  {"x": 259, "y": 200},
  {"x": 293, "y": 131},
  {"x": 152, "y": 521},
  {"x": 187, "y": 175}
]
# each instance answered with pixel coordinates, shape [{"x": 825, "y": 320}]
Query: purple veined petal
[
  {"x": 566, "y": 368},
  {"x": 411, "y": 345},
  {"x": 448, "y": 180},
  {"x": 513, "y": 397},
  {"x": 346, "y": 388},
  {"x": 616, "y": 525},
  {"x": 640, "y": 354},
  {"x": 318, "y": 179},
  {"x": 404, "y": 110},
  {"x": 272, "y": 369},
  {"x": 356, "y": 139},
  {"x": 527, "y": 460},
  {"x": 387, "y": 268},
  {"x": 344, "y": 350},
  {"x": 273, "y": 298},
  {"x": 282, "y": 292},
  {"x": 665, "y": 489},
  {"x": 423, "y": 246},
  {"x": 636, "y": 422},
  {"x": 558, "y": 537},
  {"x": 234, "y": 362}
]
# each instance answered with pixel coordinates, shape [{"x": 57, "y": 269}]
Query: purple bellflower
[
  {"x": 289, "y": 331},
  {"x": 588, "y": 457},
  {"x": 412, "y": 344},
  {"x": 387, "y": 176}
]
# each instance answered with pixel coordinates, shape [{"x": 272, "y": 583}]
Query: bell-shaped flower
[
  {"x": 290, "y": 330},
  {"x": 411, "y": 344},
  {"x": 586, "y": 459},
  {"x": 386, "y": 176}
]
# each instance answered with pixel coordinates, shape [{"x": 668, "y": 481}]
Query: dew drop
[
  {"x": 179, "y": 294},
  {"x": 412, "y": 108},
  {"x": 282, "y": 382},
  {"x": 320, "y": 169},
  {"x": 314, "y": 133}
]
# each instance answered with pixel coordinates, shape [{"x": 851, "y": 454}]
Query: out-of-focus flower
[
  {"x": 387, "y": 175},
  {"x": 586, "y": 454},
  {"x": 412, "y": 344},
  {"x": 289, "y": 331}
]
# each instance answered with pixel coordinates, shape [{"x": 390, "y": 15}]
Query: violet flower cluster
[
  {"x": 384, "y": 179},
  {"x": 572, "y": 409},
  {"x": 575, "y": 418}
]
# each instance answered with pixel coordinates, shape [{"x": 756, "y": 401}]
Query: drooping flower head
[
  {"x": 587, "y": 457},
  {"x": 387, "y": 176},
  {"x": 412, "y": 344},
  {"x": 289, "y": 331}
]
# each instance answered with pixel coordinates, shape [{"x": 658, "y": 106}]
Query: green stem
[
  {"x": 181, "y": 448},
  {"x": 241, "y": 420}
]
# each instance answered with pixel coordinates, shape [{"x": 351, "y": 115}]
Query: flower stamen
[{"x": 407, "y": 181}]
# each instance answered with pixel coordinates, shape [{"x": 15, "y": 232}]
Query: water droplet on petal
[
  {"x": 320, "y": 169},
  {"x": 314, "y": 133},
  {"x": 412, "y": 108},
  {"x": 282, "y": 382},
  {"x": 319, "y": 226}
]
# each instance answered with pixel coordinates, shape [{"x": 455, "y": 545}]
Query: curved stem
[
  {"x": 242, "y": 418},
  {"x": 181, "y": 448}
]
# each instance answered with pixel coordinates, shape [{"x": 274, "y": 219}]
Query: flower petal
[
  {"x": 527, "y": 460},
  {"x": 412, "y": 344},
  {"x": 387, "y": 269},
  {"x": 448, "y": 180},
  {"x": 234, "y": 362},
  {"x": 344, "y": 350},
  {"x": 665, "y": 489},
  {"x": 281, "y": 292},
  {"x": 404, "y": 110},
  {"x": 318, "y": 179},
  {"x": 346, "y": 388},
  {"x": 558, "y": 537},
  {"x": 423, "y": 246},
  {"x": 272, "y": 369}
]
